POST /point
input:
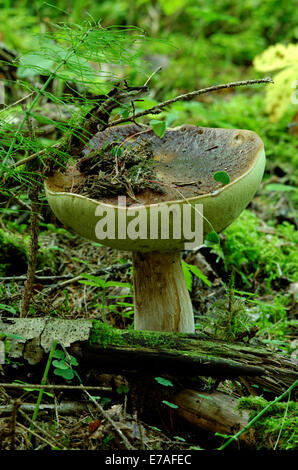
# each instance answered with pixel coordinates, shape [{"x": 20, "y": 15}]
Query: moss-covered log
[
  {"x": 181, "y": 354},
  {"x": 184, "y": 354}
]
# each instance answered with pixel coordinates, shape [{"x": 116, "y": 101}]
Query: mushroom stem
[{"x": 162, "y": 301}]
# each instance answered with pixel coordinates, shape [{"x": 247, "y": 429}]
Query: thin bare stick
[
  {"x": 34, "y": 229},
  {"x": 55, "y": 387},
  {"x": 53, "y": 444},
  {"x": 187, "y": 96},
  {"x": 16, "y": 404},
  {"x": 33, "y": 249},
  {"x": 17, "y": 102},
  {"x": 111, "y": 269},
  {"x": 33, "y": 156},
  {"x": 153, "y": 73},
  {"x": 111, "y": 421},
  {"x": 156, "y": 109}
]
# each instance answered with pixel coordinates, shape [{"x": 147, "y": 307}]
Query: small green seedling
[
  {"x": 103, "y": 285},
  {"x": 221, "y": 177},
  {"x": 188, "y": 270},
  {"x": 178, "y": 438},
  {"x": 63, "y": 365},
  {"x": 164, "y": 382},
  {"x": 171, "y": 405},
  {"x": 212, "y": 238},
  {"x": 158, "y": 127},
  {"x": 124, "y": 389},
  {"x": 31, "y": 389}
]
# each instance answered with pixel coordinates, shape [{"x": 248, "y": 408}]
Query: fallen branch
[
  {"x": 34, "y": 230},
  {"x": 65, "y": 408},
  {"x": 140, "y": 356},
  {"x": 54, "y": 387},
  {"x": 111, "y": 421},
  {"x": 93, "y": 343},
  {"x": 63, "y": 143},
  {"x": 187, "y": 96},
  {"x": 99, "y": 272},
  {"x": 68, "y": 277}
]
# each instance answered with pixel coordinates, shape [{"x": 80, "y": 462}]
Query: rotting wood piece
[{"x": 93, "y": 342}]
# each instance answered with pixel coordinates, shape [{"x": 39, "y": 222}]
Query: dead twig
[
  {"x": 12, "y": 424},
  {"x": 66, "y": 408},
  {"x": 37, "y": 435},
  {"x": 124, "y": 439},
  {"x": 55, "y": 387},
  {"x": 34, "y": 229},
  {"x": 154, "y": 110},
  {"x": 111, "y": 269},
  {"x": 21, "y": 100},
  {"x": 33, "y": 249},
  {"x": 188, "y": 96}
]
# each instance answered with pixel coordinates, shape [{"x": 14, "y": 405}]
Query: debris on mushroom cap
[
  {"x": 179, "y": 166},
  {"x": 185, "y": 162},
  {"x": 115, "y": 170}
]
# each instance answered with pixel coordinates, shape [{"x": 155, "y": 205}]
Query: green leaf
[
  {"x": 222, "y": 177},
  {"x": 187, "y": 275},
  {"x": 9, "y": 309},
  {"x": 60, "y": 364},
  {"x": 34, "y": 63},
  {"x": 280, "y": 187},
  {"x": 155, "y": 428},
  {"x": 170, "y": 7},
  {"x": 10, "y": 336},
  {"x": 124, "y": 112},
  {"x": 159, "y": 127},
  {"x": 171, "y": 405},
  {"x": 97, "y": 281},
  {"x": 66, "y": 374},
  {"x": 197, "y": 272},
  {"x": 72, "y": 360},
  {"x": 58, "y": 354},
  {"x": 116, "y": 151},
  {"x": 179, "y": 438},
  {"x": 212, "y": 237},
  {"x": 122, "y": 389},
  {"x": 117, "y": 284},
  {"x": 164, "y": 382},
  {"x": 124, "y": 304},
  {"x": 188, "y": 269},
  {"x": 209, "y": 15}
]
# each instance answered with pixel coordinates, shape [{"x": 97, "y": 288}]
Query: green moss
[
  {"x": 248, "y": 249},
  {"x": 106, "y": 334},
  {"x": 228, "y": 318},
  {"x": 276, "y": 427},
  {"x": 192, "y": 349}
]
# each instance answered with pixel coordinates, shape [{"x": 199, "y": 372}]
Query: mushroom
[{"x": 185, "y": 162}]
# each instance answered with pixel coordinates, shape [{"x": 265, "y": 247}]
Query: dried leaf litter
[{"x": 119, "y": 170}]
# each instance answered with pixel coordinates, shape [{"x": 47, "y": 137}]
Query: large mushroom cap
[{"x": 185, "y": 161}]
